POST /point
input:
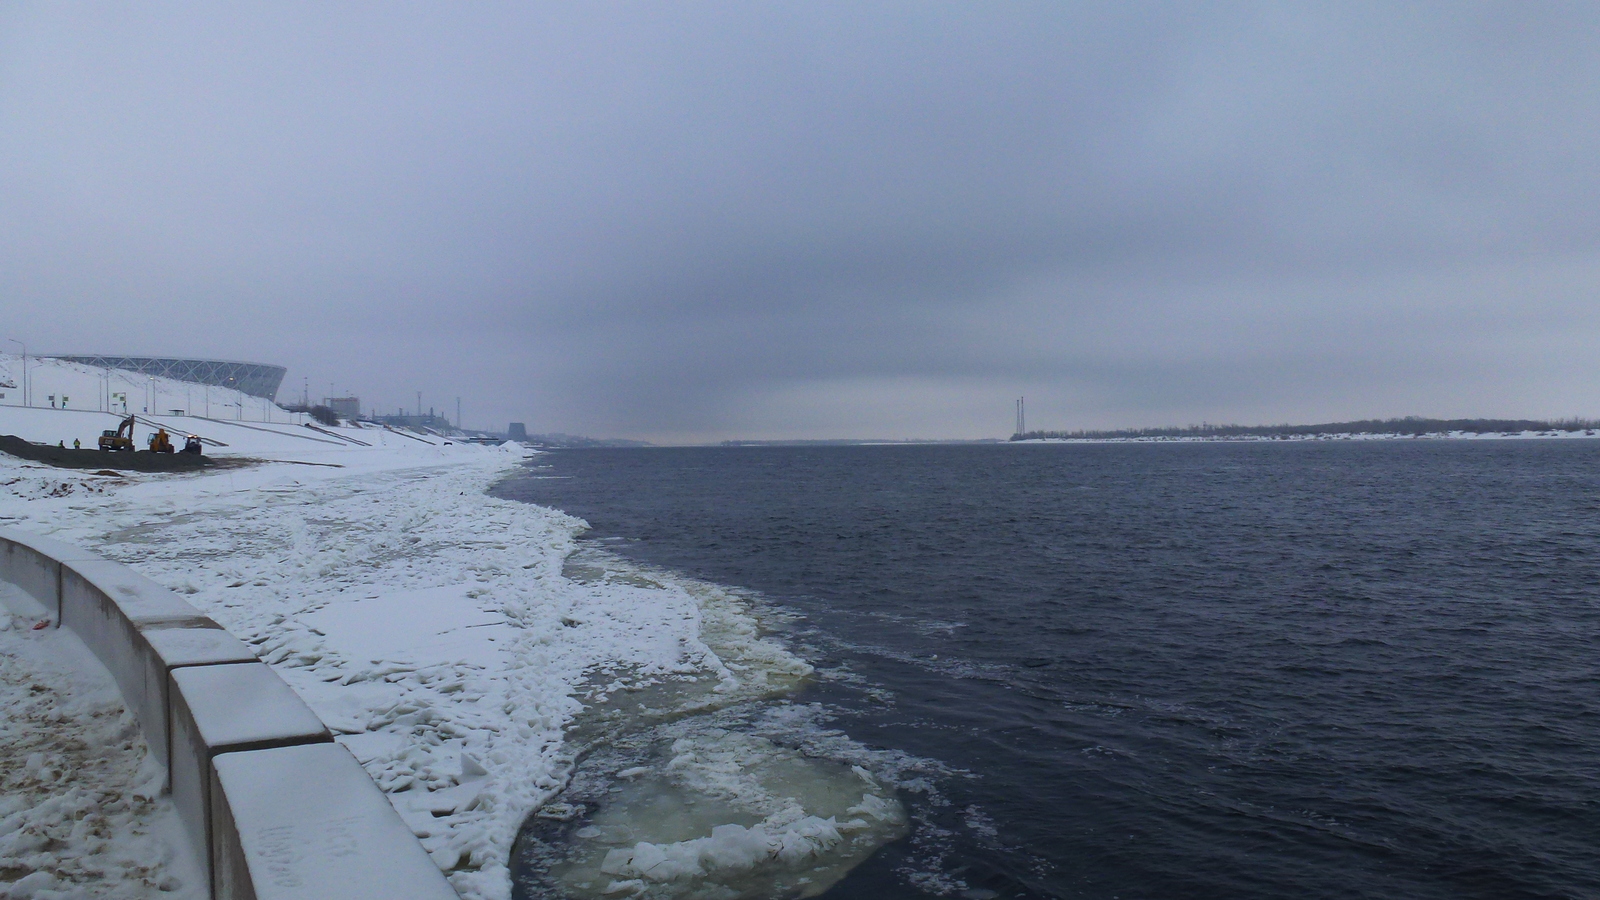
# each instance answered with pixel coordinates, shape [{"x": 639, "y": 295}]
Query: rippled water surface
[{"x": 1207, "y": 670}]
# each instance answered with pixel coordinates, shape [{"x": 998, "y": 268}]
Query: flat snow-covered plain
[{"x": 450, "y": 643}]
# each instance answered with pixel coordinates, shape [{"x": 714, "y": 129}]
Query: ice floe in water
[
  {"x": 682, "y": 788},
  {"x": 693, "y": 809}
]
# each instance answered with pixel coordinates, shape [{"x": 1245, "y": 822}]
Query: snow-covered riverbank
[{"x": 438, "y": 632}]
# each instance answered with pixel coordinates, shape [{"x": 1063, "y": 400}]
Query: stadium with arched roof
[{"x": 255, "y": 379}]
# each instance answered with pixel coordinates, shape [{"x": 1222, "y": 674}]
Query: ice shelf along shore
[{"x": 483, "y": 678}]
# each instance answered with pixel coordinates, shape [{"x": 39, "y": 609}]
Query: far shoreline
[{"x": 1587, "y": 434}]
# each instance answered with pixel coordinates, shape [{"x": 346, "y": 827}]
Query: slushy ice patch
[
  {"x": 736, "y": 660},
  {"x": 703, "y": 808},
  {"x": 680, "y": 787}
]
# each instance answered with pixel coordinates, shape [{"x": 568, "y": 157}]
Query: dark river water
[{"x": 1336, "y": 669}]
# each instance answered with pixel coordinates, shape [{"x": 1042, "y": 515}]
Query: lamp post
[{"x": 24, "y": 370}]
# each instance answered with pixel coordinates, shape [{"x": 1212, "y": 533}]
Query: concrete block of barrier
[
  {"x": 274, "y": 807},
  {"x": 227, "y": 708},
  {"x": 37, "y": 575},
  {"x": 307, "y": 823},
  {"x": 46, "y": 546},
  {"x": 60, "y": 551},
  {"x": 33, "y": 563},
  {"x": 161, "y": 648},
  {"x": 88, "y": 585},
  {"x": 21, "y": 604},
  {"x": 191, "y": 646},
  {"x": 106, "y": 604}
]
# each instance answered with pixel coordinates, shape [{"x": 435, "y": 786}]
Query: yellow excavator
[
  {"x": 121, "y": 439},
  {"x": 161, "y": 442}
]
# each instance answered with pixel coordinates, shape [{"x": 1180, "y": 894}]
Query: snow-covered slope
[
  {"x": 58, "y": 384},
  {"x": 238, "y": 424}
]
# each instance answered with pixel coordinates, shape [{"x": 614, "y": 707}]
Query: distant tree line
[{"x": 1410, "y": 425}]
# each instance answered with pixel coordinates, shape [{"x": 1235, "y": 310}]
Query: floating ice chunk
[
  {"x": 446, "y": 857},
  {"x": 728, "y": 848},
  {"x": 876, "y": 807},
  {"x": 667, "y": 862},
  {"x": 735, "y": 847},
  {"x": 462, "y": 796},
  {"x": 807, "y": 838},
  {"x": 560, "y": 812},
  {"x": 619, "y": 861}
]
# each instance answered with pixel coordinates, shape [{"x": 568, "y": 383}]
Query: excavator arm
[{"x": 121, "y": 439}]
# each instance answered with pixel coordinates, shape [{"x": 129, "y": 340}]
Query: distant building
[
  {"x": 344, "y": 407},
  {"x": 255, "y": 379},
  {"x": 517, "y": 432},
  {"x": 416, "y": 422}
]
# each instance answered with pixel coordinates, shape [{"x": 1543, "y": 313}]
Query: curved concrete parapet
[{"x": 273, "y": 807}]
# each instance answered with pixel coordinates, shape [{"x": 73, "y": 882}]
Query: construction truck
[
  {"x": 192, "y": 444},
  {"x": 161, "y": 442},
  {"x": 121, "y": 439}
]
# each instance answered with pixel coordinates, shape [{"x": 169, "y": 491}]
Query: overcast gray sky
[{"x": 684, "y": 222}]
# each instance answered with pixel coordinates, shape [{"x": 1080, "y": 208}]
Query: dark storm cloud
[{"x": 697, "y": 221}]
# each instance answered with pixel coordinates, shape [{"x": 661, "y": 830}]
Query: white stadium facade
[{"x": 255, "y": 379}]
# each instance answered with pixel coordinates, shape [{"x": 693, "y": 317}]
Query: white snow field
[{"x": 474, "y": 669}]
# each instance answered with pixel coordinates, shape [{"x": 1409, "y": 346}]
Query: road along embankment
[{"x": 272, "y": 806}]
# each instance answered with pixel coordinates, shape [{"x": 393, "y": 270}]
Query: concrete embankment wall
[{"x": 273, "y": 807}]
